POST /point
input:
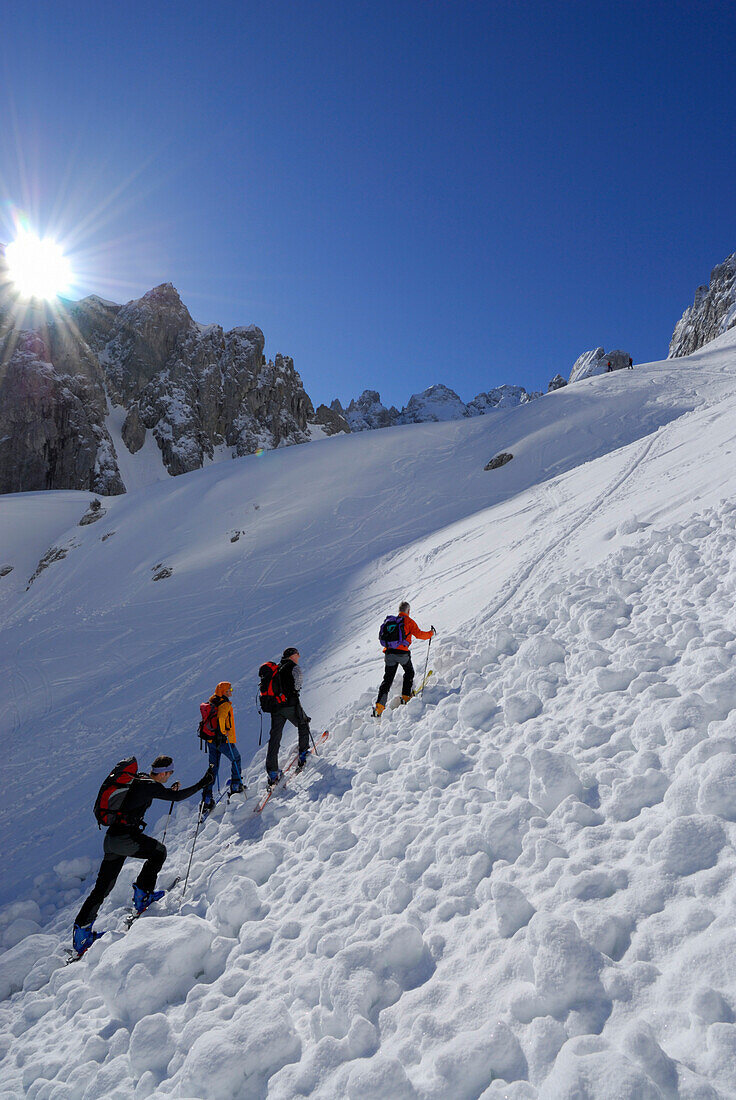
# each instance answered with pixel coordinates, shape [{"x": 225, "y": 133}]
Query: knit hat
[{"x": 289, "y": 652}]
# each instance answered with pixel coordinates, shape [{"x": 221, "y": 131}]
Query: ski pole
[
  {"x": 426, "y": 663},
  {"x": 168, "y": 819},
  {"x": 191, "y": 857}
]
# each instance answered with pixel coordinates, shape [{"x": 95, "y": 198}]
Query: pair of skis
[{"x": 289, "y": 772}]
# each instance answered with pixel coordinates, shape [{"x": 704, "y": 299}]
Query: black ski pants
[
  {"x": 394, "y": 658},
  {"x": 279, "y": 718},
  {"x": 117, "y": 848}
]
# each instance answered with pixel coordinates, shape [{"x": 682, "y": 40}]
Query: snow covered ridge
[
  {"x": 521, "y": 885},
  {"x": 433, "y": 405},
  {"x": 712, "y": 313}
]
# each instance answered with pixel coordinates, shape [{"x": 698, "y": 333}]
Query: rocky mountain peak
[
  {"x": 193, "y": 387},
  {"x": 436, "y": 404},
  {"x": 713, "y": 311},
  {"x": 598, "y": 361}
]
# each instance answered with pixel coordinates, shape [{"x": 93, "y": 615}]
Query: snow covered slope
[{"x": 520, "y": 885}]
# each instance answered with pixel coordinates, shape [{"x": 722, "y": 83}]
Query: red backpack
[
  {"x": 209, "y": 727},
  {"x": 112, "y": 793},
  {"x": 269, "y": 694}
]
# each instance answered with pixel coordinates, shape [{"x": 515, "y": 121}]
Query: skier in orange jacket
[
  {"x": 397, "y": 632},
  {"x": 223, "y": 745}
]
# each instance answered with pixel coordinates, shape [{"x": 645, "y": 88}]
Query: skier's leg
[
  {"x": 388, "y": 678},
  {"x": 408, "y": 676},
  {"x": 110, "y": 868},
  {"x": 154, "y": 853},
  {"x": 302, "y": 725},
  {"x": 214, "y": 755},
  {"x": 278, "y": 719},
  {"x": 236, "y": 773}
]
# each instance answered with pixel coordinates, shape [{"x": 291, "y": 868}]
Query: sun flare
[{"x": 38, "y": 267}]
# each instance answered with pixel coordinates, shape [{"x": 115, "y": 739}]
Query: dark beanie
[{"x": 289, "y": 652}]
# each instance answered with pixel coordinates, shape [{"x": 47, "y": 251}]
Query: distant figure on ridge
[
  {"x": 121, "y": 803},
  {"x": 631, "y": 363},
  {"x": 217, "y": 730},
  {"x": 395, "y": 635},
  {"x": 279, "y": 696}
]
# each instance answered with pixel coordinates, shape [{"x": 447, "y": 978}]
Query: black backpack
[
  {"x": 391, "y": 635},
  {"x": 112, "y": 794}
]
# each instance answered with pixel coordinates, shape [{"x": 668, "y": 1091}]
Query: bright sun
[{"x": 38, "y": 268}]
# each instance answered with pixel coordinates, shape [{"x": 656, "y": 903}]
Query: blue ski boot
[
  {"x": 301, "y": 761},
  {"x": 143, "y": 898},
  {"x": 83, "y": 938},
  {"x": 273, "y": 777}
]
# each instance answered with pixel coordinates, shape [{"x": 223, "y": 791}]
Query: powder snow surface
[{"x": 520, "y": 885}]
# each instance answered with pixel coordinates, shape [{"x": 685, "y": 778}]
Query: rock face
[
  {"x": 598, "y": 361},
  {"x": 368, "y": 412},
  {"x": 193, "y": 387},
  {"x": 331, "y": 418},
  {"x": 501, "y": 397},
  {"x": 435, "y": 404},
  {"x": 713, "y": 311},
  {"x": 556, "y": 383},
  {"x": 52, "y": 432}
]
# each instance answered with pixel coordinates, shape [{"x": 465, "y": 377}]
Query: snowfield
[{"x": 521, "y": 885}]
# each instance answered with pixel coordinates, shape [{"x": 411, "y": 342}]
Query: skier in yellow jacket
[{"x": 223, "y": 744}]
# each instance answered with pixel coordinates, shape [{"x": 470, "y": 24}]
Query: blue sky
[{"x": 397, "y": 193}]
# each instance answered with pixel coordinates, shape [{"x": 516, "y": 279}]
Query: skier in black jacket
[
  {"x": 289, "y": 681},
  {"x": 128, "y": 839}
]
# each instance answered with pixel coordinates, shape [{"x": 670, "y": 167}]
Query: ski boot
[
  {"x": 273, "y": 777},
  {"x": 378, "y": 710},
  {"x": 143, "y": 898},
  {"x": 84, "y": 937},
  {"x": 405, "y": 699},
  {"x": 301, "y": 761},
  {"x": 237, "y": 788},
  {"x": 207, "y": 808}
]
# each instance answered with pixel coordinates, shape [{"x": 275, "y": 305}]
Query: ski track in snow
[{"x": 520, "y": 885}]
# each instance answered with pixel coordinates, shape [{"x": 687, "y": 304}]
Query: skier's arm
[
  {"x": 168, "y": 794},
  {"x": 413, "y": 631}
]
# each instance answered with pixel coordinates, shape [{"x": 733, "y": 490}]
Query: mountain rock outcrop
[
  {"x": 501, "y": 397},
  {"x": 52, "y": 431},
  {"x": 713, "y": 311},
  {"x": 368, "y": 412},
  {"x": 435, "y": 404},
  {"x": 598, "y": 361},
  {"x": 331, "y": 418},
  {"x": 193, "y": 387}
]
